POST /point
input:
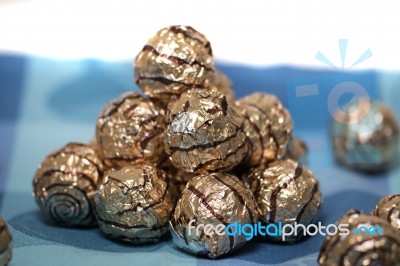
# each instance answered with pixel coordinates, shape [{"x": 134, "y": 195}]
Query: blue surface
[{"x": 47, "y": 103}]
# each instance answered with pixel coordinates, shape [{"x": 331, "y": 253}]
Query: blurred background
[{"x": 61, "y": 61}]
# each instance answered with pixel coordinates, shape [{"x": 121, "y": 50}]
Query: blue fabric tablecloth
[{"x": 46, "y": 103}]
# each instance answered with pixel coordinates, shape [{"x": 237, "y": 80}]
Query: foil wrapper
[
  {"x": 130, "y": 130},
  {"x": 365, "y": 136},
  {"x": 174, "y": 60},
  {"x": 285, "y": 192},
  {"x": 268, "y": 126},
  {"x": 65, "y": 183},
  {"x": 362, "y": 248},
  {"x": 222, "y": 83},
  {"x": 5, "y": 243},
  {"x": 297, "y": 151},
  {"x": 135, "y": 204},
  {"x": 204, "y": 132},
  {"x": 178, "y": 180},
  {"x": 388, "y": 208},
  {"x": 217, "y": 199}
]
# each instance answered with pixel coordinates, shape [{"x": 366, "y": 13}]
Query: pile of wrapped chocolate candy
[{"x": 186, "y": 154}]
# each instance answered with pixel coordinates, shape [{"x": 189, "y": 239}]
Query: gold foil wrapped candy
[
  {"x": 365, "y": 136},
  {"x": 176, "y": 59},
  {"x": 214, "y": 200},
  {"x": 285, "y": 192},
  {"x": 297, "y": 151},
  {"x": 5, "y": 243},
  {"x": 268, "y": 126},
  {"x": 204, "y": 132},
  {"x": 388, "y": 208},
  {"x": 222, "y": 83},
  {"x": 65, "y": 183},
  {"x": 130, "y": 130},
  {"x": 370, "y": 241},
  {"x": 135, "y": 204}
]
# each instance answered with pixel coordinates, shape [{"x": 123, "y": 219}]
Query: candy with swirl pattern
[{"x": 65, "y": 183}]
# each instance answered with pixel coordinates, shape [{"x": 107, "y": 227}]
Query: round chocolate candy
[
  {"x": 130, "y": 130},
  {"x": 268, "y": 126},
  {"x": 297, "y": 151},
  {"x": 176, "y": 59},
  {"x": 362, "y": 245},
  {"x": 389, "y": 208},
  {"x": 65, "y": 183},
  {"x": 135, "y": 204},
  {"x": 215, "y": 200},
  {"x": 5, "y": 243},
  {"x": 222, "y": 83},
  {"x": 204, "y": 132},
  {"x": 285, "y": 192},
  {"x": 365, "y": 136}
]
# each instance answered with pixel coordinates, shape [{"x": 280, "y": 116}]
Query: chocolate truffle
[
  {"x": 216, "y": 200},
  {"x": 362, "y": 246},
  {"x": 135, "y": 204},
  {"x": 365, "y": 136},
  {"x": 222, "y": 83},
  {"x": 5, "y": 243},
  {"x": 130, "y": 130},
  {"x": 204, "y": 132},
  {"x": 297, "y": 151},
  {"x": 285, "y": 192},
  {"x": 176, "y": 59},
  {"x": 268, "y": 126},
  {"x": 65, "y": 183},
  {"x": 388, "y": 208}
]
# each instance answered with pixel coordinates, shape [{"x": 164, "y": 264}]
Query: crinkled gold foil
[
  {"x": 65, "y": 183},
  {"x": 268, "y": 126},
  {"x": 135, "y": 204},
  {"x": 5, "y": 243},
  {"x": 204, "y": 132},
  {"x": 214, "y": 199},
  {"x": 130, "y": 130},
  {"x": 222, "y": 83},
  {"x": 178, "y": 180},
  {"x": 388, "y": 208},
  {"x": 285, "y": 192},
  {"x": 361, "y": 249},
  {"x": 365, "y": 136},
  {"x": 176, "y": 59},
  {"x": 297, "y": 151}
]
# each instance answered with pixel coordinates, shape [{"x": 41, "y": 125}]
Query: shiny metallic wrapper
[
  {"x": 222, "y": 83},
  {"x": 286, "y": 192},
  {"x": 176, "y": 59},
  {"x": 5, "y": 243},
  {"x": 178, "y": 180},
  {"x": 268, "y": 126},
  {"x": 204, "y": 132},
  {"x": 65, "y": 183},
  {"x": 388, "y": 208},
  {"x": 365, "y": 136},
  {"x": 135, "y": 204},
  {"x": 217, "y": 199},
  {"x": 130, "y": 130},
  {"x": 297, "y": 151},
  {"x": 361, "y": 248}
]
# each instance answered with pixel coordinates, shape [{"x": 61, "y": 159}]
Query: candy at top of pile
[{"x": 206, "y": 130}]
